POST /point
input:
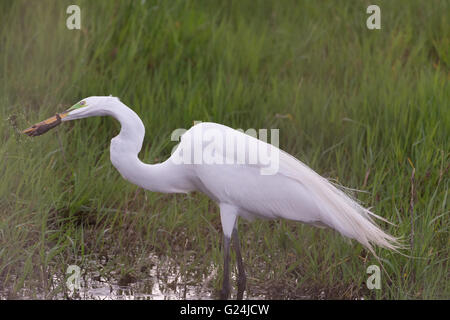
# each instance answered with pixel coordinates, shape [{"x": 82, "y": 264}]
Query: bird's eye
[{"x": 82, "y": 103}]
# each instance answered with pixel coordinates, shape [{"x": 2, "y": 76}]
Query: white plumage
[{"x": 293, "y": 192}]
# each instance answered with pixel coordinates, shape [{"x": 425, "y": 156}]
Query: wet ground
[{"x": 161, "y": 280}]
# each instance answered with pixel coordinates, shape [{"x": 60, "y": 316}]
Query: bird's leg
[
  {"x": 225, "y": 292},
  {"x": 242, "y": 279},
  {"x": 228, "y": 216}
]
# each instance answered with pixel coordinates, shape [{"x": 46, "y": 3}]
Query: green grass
[{"x": 365, "y": 107}]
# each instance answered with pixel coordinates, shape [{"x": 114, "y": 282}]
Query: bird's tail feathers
[{"x": 339, "y": 210}]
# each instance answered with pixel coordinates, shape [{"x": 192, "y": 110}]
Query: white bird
[{"x": 241, "y": 189}]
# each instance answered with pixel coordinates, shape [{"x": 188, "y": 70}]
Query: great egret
[{"x": 293, "y": 192}]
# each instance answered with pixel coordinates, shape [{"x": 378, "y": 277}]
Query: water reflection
[{"x": 160, "y": 279}]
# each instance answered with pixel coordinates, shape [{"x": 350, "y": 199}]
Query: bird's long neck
[{"x": 125, "y": 147}]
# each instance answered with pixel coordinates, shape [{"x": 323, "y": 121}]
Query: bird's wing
[
  {"x": 257, "y": 186},
  {"x": 293, "y": 191}
]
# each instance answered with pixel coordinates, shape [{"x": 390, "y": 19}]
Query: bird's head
[{"x": 88, "y": 107}]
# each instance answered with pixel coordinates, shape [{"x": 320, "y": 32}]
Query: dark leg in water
[
  {"x": 242, "y": 279},
  {"x": 225, "y": 292}
]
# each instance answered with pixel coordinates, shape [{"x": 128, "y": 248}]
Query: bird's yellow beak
[{"x": 44, "y": 126}]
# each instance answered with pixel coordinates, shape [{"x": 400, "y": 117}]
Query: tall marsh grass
[{"x": 363, "y": 107}]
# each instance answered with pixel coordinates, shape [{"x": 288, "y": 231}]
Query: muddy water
[
  {"x": 161, "y": 280},
  {"x": 144, "y": 289}
]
